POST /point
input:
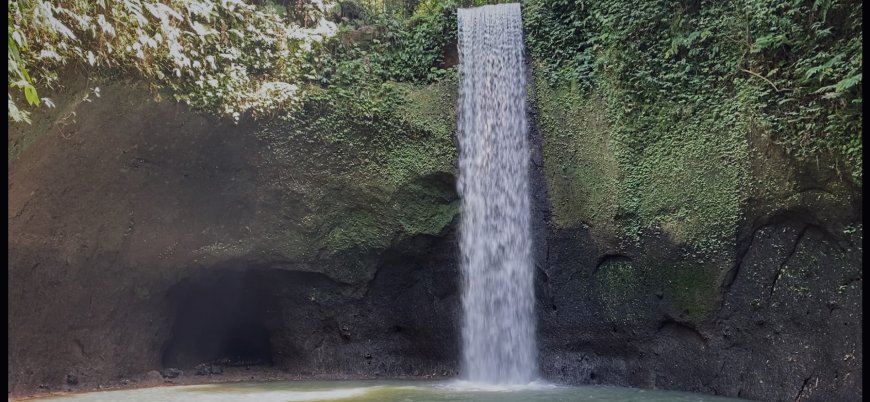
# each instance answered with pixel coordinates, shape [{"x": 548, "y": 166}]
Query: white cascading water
[{"x": 498, "y": 328}]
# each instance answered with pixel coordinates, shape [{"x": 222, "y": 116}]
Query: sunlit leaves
[
  {"x": 796, "y": 65},
  {"x": 248, "y": 52}
]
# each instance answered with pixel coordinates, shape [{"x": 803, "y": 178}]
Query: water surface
[{"x": 385, "y": 391}]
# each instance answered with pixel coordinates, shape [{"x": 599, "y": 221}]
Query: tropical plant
[{"x": 227, "y": 56}]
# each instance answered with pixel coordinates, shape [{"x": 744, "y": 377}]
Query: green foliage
[
  {"x": 232, "y": 57},
  {"x": 814, "y": 72},
  {"x": 405, "y": 43},
  {"x": 414, "y": 54},
  {"x": 18, "y": 71},
  {"x": 558, "y": 35},
  {"x": 673, "y": 125},
  {"x": 389, "y": 47},
  {"x": 227, "y": 57},
  {"x": 794, "y": 67}
]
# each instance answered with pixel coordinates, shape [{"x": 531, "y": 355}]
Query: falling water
[{"x": 498, "y": 331}]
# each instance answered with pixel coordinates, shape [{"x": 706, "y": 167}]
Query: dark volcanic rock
[
  {"x": 153, "y": 375},
  {"x": 769, "y": 313},
  {"x": 133, "y": 235},
  {"x": 774, "y": 335},
  {"x": 145, "y": 221},
  {"x": 208, "y": 369}
]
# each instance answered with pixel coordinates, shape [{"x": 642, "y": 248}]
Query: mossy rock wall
[
  {"x": 115, "y": 202},
  {"x": 675, "y": 171},
  {"x": 345, "y": 181},
  {"x": 683, "y": 242},
  {"x": 662, "y": 216}
]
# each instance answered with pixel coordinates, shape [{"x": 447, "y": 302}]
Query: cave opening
[{"x": 225, "y": 317}]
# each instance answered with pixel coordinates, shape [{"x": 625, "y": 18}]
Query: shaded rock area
[
  {"x": 627, "y": 297},
  {"x": 786, "y": 327},
  {"x": 152, "y": 245},
  {"x": 145, "y": 238}
]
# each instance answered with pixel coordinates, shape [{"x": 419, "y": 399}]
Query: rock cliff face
[
  {"x": 144, "y": 236},
  {"x": 739, "y": 279}
]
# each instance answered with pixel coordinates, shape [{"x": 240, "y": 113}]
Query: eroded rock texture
[{"x": 145, "y": 237}]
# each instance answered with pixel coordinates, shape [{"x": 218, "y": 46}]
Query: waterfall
[{"x": 498, "y": 327}]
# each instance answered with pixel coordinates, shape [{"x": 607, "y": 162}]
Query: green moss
[
  {"x": 426, "y": 206},
  {"x": 415, "y": 160},
  {"x": 431, "y": 108},
  {"x": 659, "y": 165},
  {"x": 429, "y": 220},
  {"x": 292, "y": 243},
  {"x": 620, "y": 283},
  {"x": 692, "y": 288},
  {"x": 799, "y": 69},
  {"x": 428, "y": 116},
  {"x": 580, "y": 168},
  {"x": 362, "y": 170},
  {"x": 688, "y": 289},
  {"x": 684, "y": 170},
  {"x": 359, "y": 229}
]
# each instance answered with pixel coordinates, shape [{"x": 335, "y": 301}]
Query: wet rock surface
[
  {"x": 776, "y": 333},
  {"x": 126, "y": 232},
  {"x": 127, "y": 229},
  {"x": 153, "y": 376},
  {"x": 208, "y": 369}
]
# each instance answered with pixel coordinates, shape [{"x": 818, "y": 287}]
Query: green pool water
[{"x": 385, "y": 391}]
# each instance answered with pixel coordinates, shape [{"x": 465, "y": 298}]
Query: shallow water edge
[{"x": 383, "y": 390}]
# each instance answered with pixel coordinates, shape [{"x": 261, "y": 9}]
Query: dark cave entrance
[{"x": 225, "y": 317}]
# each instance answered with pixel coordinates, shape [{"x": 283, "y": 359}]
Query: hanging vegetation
[
  {"x": 227, "y": 56},
  {"x": 796, "y": 64}
]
